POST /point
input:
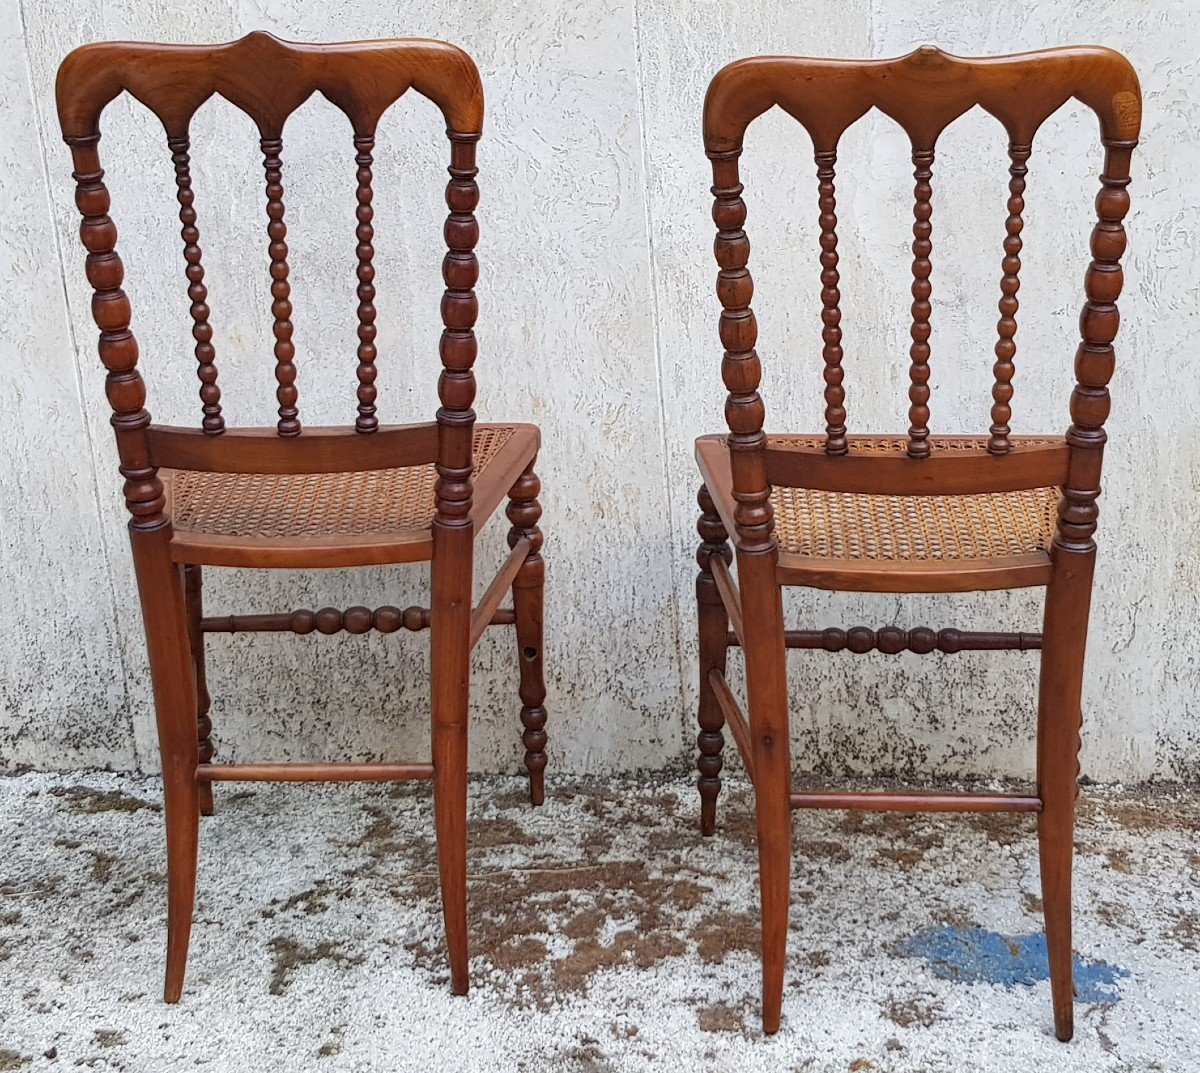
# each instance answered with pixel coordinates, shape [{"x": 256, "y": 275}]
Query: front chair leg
[
  {"x": 193, "y": 592},
  {"x": 524, "y": 512},
  {"x": 1060, "y": 719},
  {"x": 713, "y": 623}
]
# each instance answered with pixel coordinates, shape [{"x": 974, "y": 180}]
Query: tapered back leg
[
  {"x": 1059, "y": 721},
  {"x": 168, "y": 645},
  {"x": 766, "y": 689}
]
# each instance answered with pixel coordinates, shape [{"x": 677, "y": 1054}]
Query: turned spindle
[
  {"x": 117, "y": 345},
  {"x": 281, "y": 291},
  {"x": 714, "y": 540},
  {"x": 524, "y": 512},
  {"x": 460, "y": 307},
  {"x": 1010, "y": 283},
  {"x": 831, "y": 313},
  {"x": 365, "y": 252},
  {"x": 206, "y": 355},
  {"x": 922, "y": 247}
]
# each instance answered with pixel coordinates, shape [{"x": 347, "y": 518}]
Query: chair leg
[
  {"x": 168, "y": 644},
  {"x": 714, "y": 624},
  {"x": 766, "y": 688},
  {"x": 1060, "y": 719},
  {"x": 193, "y": 591},
  {"x": 524, "y": 511},
  {"x": 450, "y": 630}
]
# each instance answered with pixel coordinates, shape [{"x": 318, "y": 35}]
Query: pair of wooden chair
[{"x": 882, "y": 514}]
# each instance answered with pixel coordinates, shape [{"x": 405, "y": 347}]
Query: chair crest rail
[
  {"x": 923, "y": 92},
  {"x": 362, "y": 78}
]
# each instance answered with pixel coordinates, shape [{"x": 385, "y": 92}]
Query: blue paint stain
[{"x": 978, "y": 956}]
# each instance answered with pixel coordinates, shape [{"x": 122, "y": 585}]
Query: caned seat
[
  {"x": 360, "y": 516},
  {"x": 830, "y": 538},
  {"x": 849, "y": 525}
]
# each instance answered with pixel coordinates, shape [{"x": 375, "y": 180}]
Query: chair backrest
[
  {"x": 269, "y": 79},
  {"x": 924, "y": 92}
]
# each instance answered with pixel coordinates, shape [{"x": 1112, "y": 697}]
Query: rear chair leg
[
  {"x": 168, "y": 644},
  {"x": 193, "y": 584},
  {"x": 524, "y": 512},
  {"x": 714, "y": 624},
  {"x": 1059, "y": 722},
  {"x": 767, "y": 710}
]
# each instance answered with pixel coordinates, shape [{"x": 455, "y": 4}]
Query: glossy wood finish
[
  {"x": 312, "y": 450},
  {"x": 329, "y": 620},
  {"x": 312, "y": 772},
  {"x": 961, "y": 466},
  {"x": 892, "y": 639},
  {"x": 916, "y": 802},
  {"x": 502, "y": 583},
  {"x": 923, "y": 92},
  {"x": 269, "y": 79},
  {"x": 736, "y": 720},
  {"x": 728, "y": 590},
  {"x": 192, "y": 590}
]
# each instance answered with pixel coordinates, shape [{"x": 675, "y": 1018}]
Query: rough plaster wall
[
  {"x": 591, "y": 167},
  {"x": 62, "y": 689}
]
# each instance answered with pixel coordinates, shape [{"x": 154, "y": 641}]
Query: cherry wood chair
[
  {"x": 911, "y": 513},
  {"x": 293, "y": 496}
]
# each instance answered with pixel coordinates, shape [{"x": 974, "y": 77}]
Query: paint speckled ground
[{"x": 606, "y": 935}]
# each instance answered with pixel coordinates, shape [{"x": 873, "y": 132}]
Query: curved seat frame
[
  {"x": 924, "y": 92},
  {"x": 269, "y": 79}
]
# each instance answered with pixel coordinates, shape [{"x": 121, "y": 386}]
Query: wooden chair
[
  {"x": 908, "y": 513},
  {"x": 309, "y": 497}
]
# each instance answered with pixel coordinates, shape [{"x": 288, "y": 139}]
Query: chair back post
[
  {"x": 1095, "y": 358},
  {"x": 740, "y": 367},
  {"x": 453, "y": 529},
  {"x": 458, "y": 347},
  {"x": 117, "y": 345}
]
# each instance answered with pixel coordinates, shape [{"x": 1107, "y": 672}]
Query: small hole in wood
[{"x": 529, "y": 652}]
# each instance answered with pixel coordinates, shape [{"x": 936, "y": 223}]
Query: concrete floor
[{"x": 606, "y": 935}]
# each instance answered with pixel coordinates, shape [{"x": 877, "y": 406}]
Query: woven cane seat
[
  {"x": 843, "y": 525},
  {"x": 870, "y": 542},
  {"x": 385, "y": 514}
]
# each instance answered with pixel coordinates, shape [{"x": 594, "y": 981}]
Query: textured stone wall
[{"x": 598, "y": 321}]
